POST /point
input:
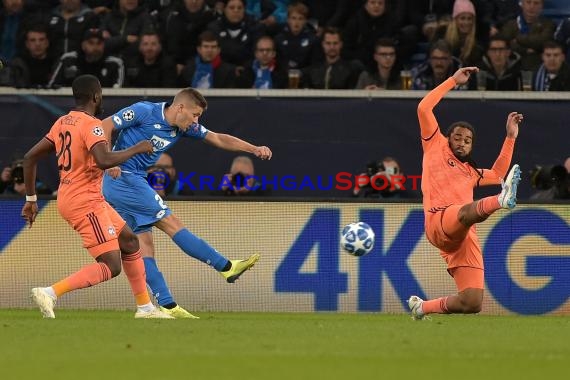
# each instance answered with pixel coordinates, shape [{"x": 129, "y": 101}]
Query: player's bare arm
[
  {"x": 462, "y": 75},
  {"x": 42, "y": 149},
  {"x": 106, "y": 159},
  {"x": 513, "y": 121},
  {"x": 108, "y": 128},
  {"x": 232, "y": 143}
]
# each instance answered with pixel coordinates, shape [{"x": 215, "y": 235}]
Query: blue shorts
[{"x": 133, "y": 198}]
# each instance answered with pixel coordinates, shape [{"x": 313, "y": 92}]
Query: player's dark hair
[
  {"x": 469, "y": 158},
  {"x": 84, "y": 88},
  {"x": 193, "y": 95}
]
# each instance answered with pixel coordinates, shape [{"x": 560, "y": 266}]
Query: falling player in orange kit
[
  {"x": 448, "y": 178},
  {"x": 82, "y": 154}
]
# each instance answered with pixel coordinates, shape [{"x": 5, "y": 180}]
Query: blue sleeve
[
  {"x": 131, "y": 116},
  {"x": 196, "y": 131}
]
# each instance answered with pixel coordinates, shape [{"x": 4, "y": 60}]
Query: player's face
[
  {"x": 187, "y": 114},
  {"x": 461, "y": 142}
]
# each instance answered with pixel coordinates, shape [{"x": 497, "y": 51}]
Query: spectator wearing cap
[
  {"x": 91, "y": 59},
  {"x": 67, "y": 25},
  {"x": 461, "y": 34}
]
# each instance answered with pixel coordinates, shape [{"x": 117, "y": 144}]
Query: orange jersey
[
  {"x": 73, "y": 136},
  {"x": 445, "y": 179}
]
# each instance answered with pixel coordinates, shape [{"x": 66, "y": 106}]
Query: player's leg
[
  {"x": 156, "y": 282},
  {"x": 193, "y": 246},
  {"x": 100, "y": 239}
]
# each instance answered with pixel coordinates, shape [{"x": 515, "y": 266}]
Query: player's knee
[
  {"x": 471, "y": 302},
  {"x": 128, "y": 242}
]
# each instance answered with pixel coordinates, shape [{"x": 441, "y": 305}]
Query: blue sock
[
  {"x": 199, "y": 249},
  {"x": 155, "y": 281}
]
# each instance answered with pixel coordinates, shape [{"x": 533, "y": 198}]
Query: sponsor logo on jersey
[{"x": 158, "y": 143}]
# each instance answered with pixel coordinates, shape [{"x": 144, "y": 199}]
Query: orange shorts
[
  {"x": 466, "y": 277},
  {"x": 99, "y": 228},
  {"x": 459, "y": 246}
]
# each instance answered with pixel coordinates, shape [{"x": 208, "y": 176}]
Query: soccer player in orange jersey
[
  {"x": 448, "y": 178},
  {"x": 82, "y": 154}
]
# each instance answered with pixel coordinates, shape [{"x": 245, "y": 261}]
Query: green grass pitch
[{"x": 100, "y": 345}]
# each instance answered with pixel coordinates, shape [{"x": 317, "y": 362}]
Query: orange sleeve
[
  {"x": 428, "y": 122},
  {"x": 501, "y": 166},
  {"x": 93, "y": 133}
]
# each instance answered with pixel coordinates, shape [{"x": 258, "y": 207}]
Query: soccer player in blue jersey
[{"x": 139, "y": 204}]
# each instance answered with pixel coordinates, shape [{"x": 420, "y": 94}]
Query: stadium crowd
[{"x": 323, "y": 44}]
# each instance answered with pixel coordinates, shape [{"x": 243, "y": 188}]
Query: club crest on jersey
[
  {"x": 158, "y": 143},
  {"x": 128, "y": 115},
  {"x": 98, "y": 131},
  {"x": 451, "y": 162},
  {"x": 111, "y": 230}
]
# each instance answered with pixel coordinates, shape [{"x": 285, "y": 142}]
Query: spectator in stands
[
  {"x": 385, "y": 180},
  {"x": 264, "y": 72},
  {"x": 554, "y": 73},
  {"x": 498, "y": 12},
  {"x": 163, "y": 179},
  {"x": 33, "y": 67},
  {"x": 236, "y": 33},
  {"x": 334, "y": 72},
  {"x": 386, "y": 75},
  {"x": 241, "y": 181},
  {"x": 429, "y": 15},
  {"x": 550, "y": 182},
  {"x": 151, "y": 68},
  {"x": 270, "y": 13},
  {"x": 91, "y": 59},
  {"x": 14, "y": 21},
  {"x": 67, "y": 25},
  {"x": 562, "y": 35},
  {"x": 100, "y": 7},
  {"x": 325, "y": 13},
  {"x": 12, "y": 180},
  {"x": 528, "y": 33},
  {"x": 501, "y": 66},
  {"x": 373, "y": 21},
  {"x": 180, "y": 27},
  {"x": 460, "y": 34},
  {"x": 297, "y": 44},
  {"x": 439, "y": 66},
  {"x": 122, "y": 27},
  {"x": 207, "y": 69}
]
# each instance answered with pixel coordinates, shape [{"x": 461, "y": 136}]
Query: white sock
[
  {"x": 146, "y": 308},
  {"x": 49, "y": 290}
]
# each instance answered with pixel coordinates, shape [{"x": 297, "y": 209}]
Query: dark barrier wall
[{"x": 318, "y": 136}]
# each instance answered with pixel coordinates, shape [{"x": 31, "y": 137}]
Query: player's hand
[
  {"x": 114, "y": 172},
  {"x": 513, "y": 121},
  {"x": 144, "y": 147},
  {"x": 462, "y": 75},
  {"x": 263, "y": 152},
  {"x": 29, "y": 212}
]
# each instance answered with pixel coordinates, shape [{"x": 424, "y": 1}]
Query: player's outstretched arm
[
  {"x": 43, "y": 148},
  {"x": 106, "y": 159},
  {"x": 234, "y": 144},
  {"x": 501, "y": 166},
  {"x": 428, "y": 122}
]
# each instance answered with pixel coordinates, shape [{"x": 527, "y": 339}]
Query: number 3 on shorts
[{"x": 160, "y": 201}]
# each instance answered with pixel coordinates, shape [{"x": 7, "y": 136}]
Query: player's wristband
[{"x": 31, "y": 198}]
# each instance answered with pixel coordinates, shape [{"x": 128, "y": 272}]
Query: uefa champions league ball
[{"x": 357, "y": 239}]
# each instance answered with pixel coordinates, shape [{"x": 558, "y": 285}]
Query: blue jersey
[{"x": 145, "y": 121}]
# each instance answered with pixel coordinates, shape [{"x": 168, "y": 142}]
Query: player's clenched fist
[{"x": 263, "y": 152}]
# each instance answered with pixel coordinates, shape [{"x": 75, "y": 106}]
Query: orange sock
[
  {"x": 133, "y": 266},
  {"x": 488, "y": 205},
  {"x": 87, "y": 276},
  {"x": 438, "y": 305}
]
